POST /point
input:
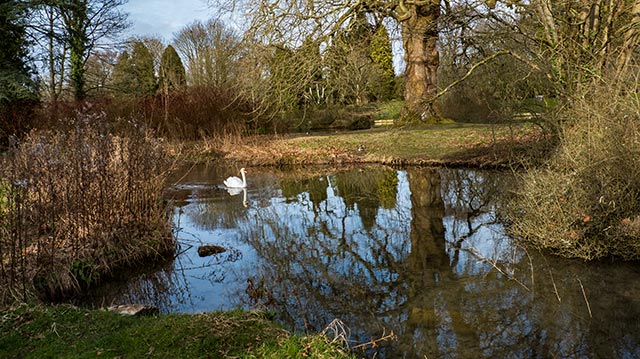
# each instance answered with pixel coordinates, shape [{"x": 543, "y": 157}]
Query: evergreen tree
[
  {"x": 172, "y": 72},
  {"x": 18, "y": 93},
  {"x": 122, "y": 77},
  {"x": 142, "y": 70},
  {"x": 382, "y": 55},
  {"x": 133, "y": 75}
]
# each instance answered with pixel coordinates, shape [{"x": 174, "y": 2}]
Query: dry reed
[{"x": 77, "y": 203}]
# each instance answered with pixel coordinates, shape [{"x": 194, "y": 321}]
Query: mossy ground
[{"x": 69, "y": 332}]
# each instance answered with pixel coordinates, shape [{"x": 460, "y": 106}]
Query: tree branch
[{"x": 469, "y": 73}]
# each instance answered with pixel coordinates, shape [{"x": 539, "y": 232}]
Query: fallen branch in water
[
  {"x": 341, "y": 333},
  {"x": 374, "y": 342},
  {"x": 585, "y": 297}
]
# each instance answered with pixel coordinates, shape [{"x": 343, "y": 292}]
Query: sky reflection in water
[{"x": 419, "y": 252}]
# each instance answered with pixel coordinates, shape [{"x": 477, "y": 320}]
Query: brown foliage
[
  {"x": 584, "y": 202},
  {"x": 77, "y": 203},
  {"x": 189, "y": 113},
  {"x": 184, "y": 114}
]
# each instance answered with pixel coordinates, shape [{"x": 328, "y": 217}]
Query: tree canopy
[
  {"x": 289, "y": 21},
  {"x": 86, "y": 23}
]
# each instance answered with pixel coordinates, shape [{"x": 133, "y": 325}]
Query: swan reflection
[{"x": 233, "y": 191}]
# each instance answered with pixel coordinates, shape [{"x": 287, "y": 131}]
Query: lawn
[{"x": 474, "y": 145}]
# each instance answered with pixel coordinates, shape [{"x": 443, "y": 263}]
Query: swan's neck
[{"x": 244, "y": 179}]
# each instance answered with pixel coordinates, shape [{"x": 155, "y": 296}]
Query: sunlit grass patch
[
  {"x": 435, "y": 144},
  {"x": 66, "y": 331}
]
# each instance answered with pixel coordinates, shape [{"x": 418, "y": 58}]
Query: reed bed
[{"x": 77, "y": 203}]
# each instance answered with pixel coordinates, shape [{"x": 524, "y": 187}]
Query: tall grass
[
  {"x": 585, "y": 202},
  {"x": 78, "y": 202}
]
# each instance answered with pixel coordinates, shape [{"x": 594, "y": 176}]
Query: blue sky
[{"x": 164, "y": 17}]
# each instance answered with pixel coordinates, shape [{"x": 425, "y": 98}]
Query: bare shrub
[
  {"x": 77, "y": 204},
  {"x": 189, "y": 113},
  {"x": 585, "y": 201}
]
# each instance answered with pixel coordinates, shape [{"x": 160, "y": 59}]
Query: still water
[{"x": 419, "y": 253}]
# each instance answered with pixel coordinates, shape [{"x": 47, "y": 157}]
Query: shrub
[
  {"x": 80, "y": 203},
  {"x": 585, "y": 201},
  {"x": 189, "y": 113}
]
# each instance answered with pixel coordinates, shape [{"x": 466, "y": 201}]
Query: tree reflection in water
[
  {"x": 436, "y": 268},
  {"x": 417, "y": 251}
]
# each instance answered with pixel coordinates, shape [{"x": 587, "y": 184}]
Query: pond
[{"x": 417, "y": 252}]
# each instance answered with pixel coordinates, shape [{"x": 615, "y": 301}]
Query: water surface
[{"x": 418, "y": 252}]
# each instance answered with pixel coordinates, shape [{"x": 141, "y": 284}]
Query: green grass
[
  {"x": 453, "y": 143},
  {"x": 390, "y": 110},
  {"x": 69, "y": 332}
]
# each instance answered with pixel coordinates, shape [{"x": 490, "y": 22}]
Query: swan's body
[{"x": 235, "y": 182}]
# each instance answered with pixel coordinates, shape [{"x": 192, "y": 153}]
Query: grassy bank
[
  {"x": 474, "y": 145},
  {"x": 69, "y": 332}
]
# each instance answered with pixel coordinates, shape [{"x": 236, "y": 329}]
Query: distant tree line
[
  {"x": 57, "y": 52},
  {"x": 467, "y": 60}
]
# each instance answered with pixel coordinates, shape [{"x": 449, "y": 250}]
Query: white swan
[{"x": 235, "y": 182}]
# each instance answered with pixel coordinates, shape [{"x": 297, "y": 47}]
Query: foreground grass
[
  {"x": 475, "y": 145},
  {"x": 69, "y": 332}
]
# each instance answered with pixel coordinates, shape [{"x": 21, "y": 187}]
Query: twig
[
  {"x": 469, "y": 73},
  {"x": 340, "y": 331},
  {"x": 585, "y": 297},
  {"x": 530, "y": 267},
  {"x": 555, "y": 288},
  {"x": 494, "y": 264},
  {"x": 374, "y": 342}
]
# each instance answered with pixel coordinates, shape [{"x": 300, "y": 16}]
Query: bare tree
[
  {"x": 573, "y": 42},
  {"x": 98, "y": 71},
  {"x": 86, "y": 23},
  {"x": 351, "y": 75},
  {"x": 47, "y": 30},
  {"x": 291, "y": 22},
  {"x": 210, "y": 50},
  {"x": 568, "y": 41}
]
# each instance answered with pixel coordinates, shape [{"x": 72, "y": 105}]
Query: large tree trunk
[{"x": 419, "y": 36}]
